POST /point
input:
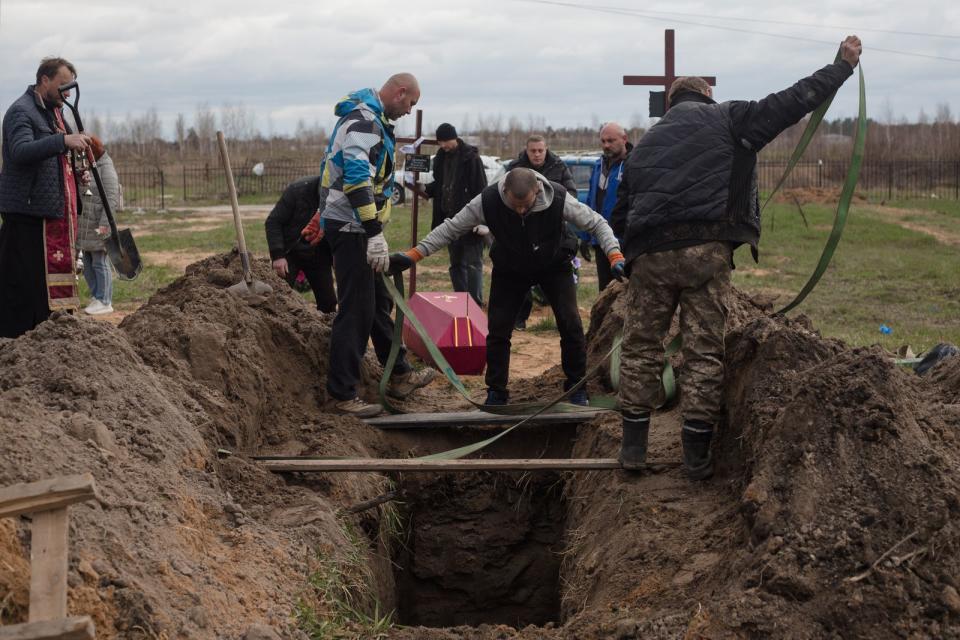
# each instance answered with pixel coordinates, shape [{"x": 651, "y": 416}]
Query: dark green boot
[
  {"x": 633, "y": 450},
  {"x": 696, "y": 436}
]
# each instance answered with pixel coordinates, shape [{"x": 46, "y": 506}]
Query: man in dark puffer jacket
[{"x": 688, "y": 198}]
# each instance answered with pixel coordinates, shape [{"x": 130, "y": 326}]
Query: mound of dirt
[
  {"x": 182, "y": 543},
  {"x": 833, "y": 512}
]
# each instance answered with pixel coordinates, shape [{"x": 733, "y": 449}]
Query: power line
[
  {"x": 640, "y": 14},
  {"x": 791, "y": 23}
]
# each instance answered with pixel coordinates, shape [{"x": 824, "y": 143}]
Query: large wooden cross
[
  {"x": 669, "y": 74},
  {"x": 417, "y": 141}
]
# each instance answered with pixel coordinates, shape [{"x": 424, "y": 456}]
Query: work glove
[
  {"x": 400, "y": 262},
  {"x": 482, "y": 230},
  {"x": 378, "y": 256},
  {"x": 313, "y": 232},
  {"x": 618, "y": 266},
  {"x": 586, "y": 250}
]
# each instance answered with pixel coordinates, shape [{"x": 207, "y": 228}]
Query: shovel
[
  {"x": 120, "y": 246},
  {"x": 248, "y": 286}
]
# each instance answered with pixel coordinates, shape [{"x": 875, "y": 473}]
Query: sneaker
[
  {"x": 357, "y": 408},
  {"x": 695, "y": 437},
  {"x": 93, "y": 307},
  {"x": 520, "y": 325},
  {"x": 579, "y": 397},
  {"x": 497, "y": 398},
  {"x": 633, "y": 448},
  {"x": 403, "y": 384},
  {"x": 102, "y": 309}
]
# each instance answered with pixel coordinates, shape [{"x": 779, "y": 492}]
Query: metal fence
[{"x": 154, "y": 188}]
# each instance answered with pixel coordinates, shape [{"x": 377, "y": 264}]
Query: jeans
[
  {"x": 98, "y": 272},
  {"x": 363, "y": 314},
  {"x": 507, "y": 292},
  {"x": 466, "y": 265}
]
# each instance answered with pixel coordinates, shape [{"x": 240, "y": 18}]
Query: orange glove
[
  {"x": 617, "y": 265},
  {"x": 313, "y": 232}
]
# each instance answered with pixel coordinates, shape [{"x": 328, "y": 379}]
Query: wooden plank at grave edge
[
  {"x": 76, "y": 628},
  {"x": 462, "y": 464},
  {"x": 456, "y": 418},
  {"x": 46, "y": 495}
]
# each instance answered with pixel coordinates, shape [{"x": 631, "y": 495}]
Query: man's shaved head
[
  {"x": 520, "y": 190},
  {"x": 398, "y": 80},
  {"x": 520, "y": 181},
  {"x": 399, "y": 94},
  {"x": 613, "y": 129}
]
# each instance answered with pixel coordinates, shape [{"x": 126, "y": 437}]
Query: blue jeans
[{"x": 97, "y": 271}]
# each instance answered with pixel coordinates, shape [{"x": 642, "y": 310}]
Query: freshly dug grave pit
[{"x": 481, "y": 549}]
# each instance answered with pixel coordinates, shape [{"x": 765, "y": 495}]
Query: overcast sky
[{"x": 292, "y": 59}]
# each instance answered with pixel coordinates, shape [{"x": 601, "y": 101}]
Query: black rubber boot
[
  {"x": 696, "y": 436},
  {"x": 633, "y": 449}
]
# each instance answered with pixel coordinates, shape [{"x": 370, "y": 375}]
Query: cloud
[{"x": 291, "y": 60}]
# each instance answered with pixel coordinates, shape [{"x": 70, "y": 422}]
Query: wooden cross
[
  {"x": 415, "y": 209},
  {"x": 666, "y": 80}
]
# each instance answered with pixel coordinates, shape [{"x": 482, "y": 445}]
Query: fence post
[
  {"x": 162, "y": 193},
  {"x": 956, "y": 180},
  {"x": 184, "y": 168},
  {"x": 889, "y": 180}
]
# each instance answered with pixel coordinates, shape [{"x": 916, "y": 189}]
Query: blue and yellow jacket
[{"x": 357, "y": 171}]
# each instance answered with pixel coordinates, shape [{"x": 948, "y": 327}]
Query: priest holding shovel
[{"x": 38, "y": 203}]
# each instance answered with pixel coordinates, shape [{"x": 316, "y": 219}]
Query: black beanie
[{"x": 446, "y": 131}]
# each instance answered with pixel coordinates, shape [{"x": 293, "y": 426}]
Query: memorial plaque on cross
[
  {"x": 665, "y": 80},
  {"x": 416, "y": 141}
]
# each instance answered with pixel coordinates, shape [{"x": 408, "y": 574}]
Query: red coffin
[{"x": 456, "y": 324}]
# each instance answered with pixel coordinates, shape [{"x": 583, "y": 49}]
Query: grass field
[{"x": 896, "y": 265}]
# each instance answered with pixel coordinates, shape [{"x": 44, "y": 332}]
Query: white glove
[
  {"x": 378, "y": 254},
  {"x": 481, "y": 230}
]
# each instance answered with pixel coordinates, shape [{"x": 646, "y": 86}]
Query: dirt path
[{"x": 899, "y": 217}]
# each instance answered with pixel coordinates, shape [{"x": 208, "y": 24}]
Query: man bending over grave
[
  {"x": 527, "y": 215},
  {"x": 688, "y": 198}
]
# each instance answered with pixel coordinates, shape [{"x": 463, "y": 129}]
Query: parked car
[
  {"x": 581, "y": 166},
  {"x": 492, "y": 166}
]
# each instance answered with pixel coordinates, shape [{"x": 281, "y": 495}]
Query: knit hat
[{"x": 445, "y": 132}]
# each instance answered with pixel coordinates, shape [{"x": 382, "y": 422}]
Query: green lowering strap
[
  {"x": 808, "y": 132},
  {"x": 843, "y": 206}
]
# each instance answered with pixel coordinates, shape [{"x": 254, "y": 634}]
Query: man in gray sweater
[{"x": 527, "y": 215}]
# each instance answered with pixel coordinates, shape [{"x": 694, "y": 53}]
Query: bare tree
[{"x": 205, "y": 124}]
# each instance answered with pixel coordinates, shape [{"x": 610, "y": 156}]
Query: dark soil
[{"x": 833, "y": 512}]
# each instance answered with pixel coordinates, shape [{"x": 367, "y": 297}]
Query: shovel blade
[
  {"x": 255, "y": 288},
  {"x": 124, "y": 254}
]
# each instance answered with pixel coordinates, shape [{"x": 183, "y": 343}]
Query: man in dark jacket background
[
  {"x": 290, "y": 253},
  {"x": 458, "y": 177},
  {"x": 538, "y": 157},
  {"x": 38, "y": 203},
  {"x": 688, "y": 198}
]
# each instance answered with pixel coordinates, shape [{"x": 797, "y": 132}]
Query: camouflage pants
[{"x": 697, "y": 279}]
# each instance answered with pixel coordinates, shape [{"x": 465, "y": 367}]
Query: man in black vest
[
  {"x": 290, "y": 253},
  {"x": 458, "y": 177},
  {"x": 527, "y": 215},
  {"x": 688, "y": 198}
]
